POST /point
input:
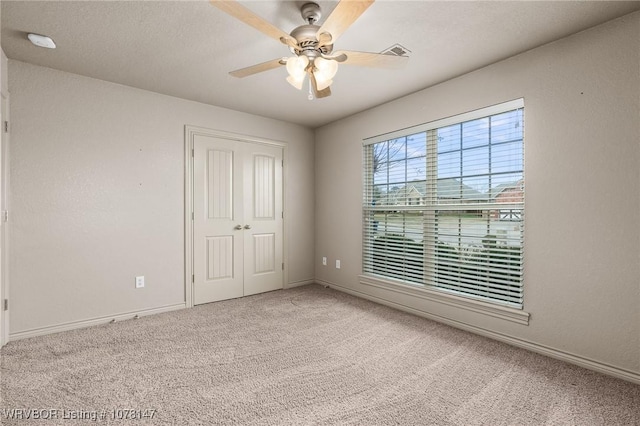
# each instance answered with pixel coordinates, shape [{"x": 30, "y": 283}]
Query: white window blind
[{"x": 444, "y": 205}]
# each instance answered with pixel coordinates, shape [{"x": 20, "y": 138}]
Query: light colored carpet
[{"x": 308, "y": 355}]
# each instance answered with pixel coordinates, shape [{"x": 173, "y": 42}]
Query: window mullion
[{"x": 430, "y": 225}]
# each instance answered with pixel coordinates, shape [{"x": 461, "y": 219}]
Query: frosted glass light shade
[
  {"x": 324, "y": 71},
  {"x": 323, "y": 84},
  {"x": 296, "y": 67},
  {"x": 326, "y": 68},
  {"x": 297, "y": 83}
]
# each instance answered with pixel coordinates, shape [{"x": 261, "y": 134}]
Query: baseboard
[
  {"x": 91, "y": 322},
  {"x": 590, "y": 364},
  {"x": 300, "y": 283}
]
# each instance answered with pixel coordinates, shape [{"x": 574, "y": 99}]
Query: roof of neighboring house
[
  {"x": 503, "y": 187},
  {"x": 449, "y": 188}
]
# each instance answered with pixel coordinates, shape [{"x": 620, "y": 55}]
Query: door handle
[
  {"x": 238, "y": 227},
  {"x": 247, "y": 227}
]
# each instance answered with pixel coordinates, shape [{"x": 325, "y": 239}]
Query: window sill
[{"x": 503, "y": 312}]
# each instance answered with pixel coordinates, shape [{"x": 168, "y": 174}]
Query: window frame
[{"x": 510, "y": 311}]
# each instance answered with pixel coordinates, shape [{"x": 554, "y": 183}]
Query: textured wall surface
[
  {"x": 582, "y": 195},
  {"x": 97, "y": 195}
]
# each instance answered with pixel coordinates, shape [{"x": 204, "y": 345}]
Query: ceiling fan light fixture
[
  {"x": 296, "y": 67},
  {"x": 326, "y": 68},
  {"x": 324, "y": 71},
  {"x": 323, "y": 84},
  {"x": 296, "y": 82}
]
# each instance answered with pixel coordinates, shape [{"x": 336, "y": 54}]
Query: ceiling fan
[{"x": 312, "y": 45}]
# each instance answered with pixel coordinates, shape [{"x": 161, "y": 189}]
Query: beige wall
[
  {"x": 582, "y": 163},
  {"x": 97, "y": 195},
  {"x": 5, "y": 74}
]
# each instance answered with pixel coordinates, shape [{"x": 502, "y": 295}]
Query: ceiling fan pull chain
[{"x": 310, "y": 97}]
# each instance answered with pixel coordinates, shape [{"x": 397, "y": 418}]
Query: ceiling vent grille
[{"x": 396, "y": 50}]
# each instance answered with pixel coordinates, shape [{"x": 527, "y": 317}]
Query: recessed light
[{"x": 42, "y": 41}]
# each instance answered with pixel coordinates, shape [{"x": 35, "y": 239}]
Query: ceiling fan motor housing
[{"x": 305, "y": 35}]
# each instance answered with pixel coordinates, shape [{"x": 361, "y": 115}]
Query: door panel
[
  {"x": 219, "y": 189},
  {"x": 217, "y": 251},
  {"x": 219, "y": 257},
  {"x": 263, "y": 184},
  {"x": 264, "y": 247},
  {"x": 263, "y": 187},
  {"x": 237, "y": 229}
]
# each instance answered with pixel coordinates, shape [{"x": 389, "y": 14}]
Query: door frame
[
  {"x": 190, "y": 132},
  {"x": 4, "y": 216}
]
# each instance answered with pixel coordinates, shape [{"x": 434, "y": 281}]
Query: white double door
[{"x": 237, "y": 221}]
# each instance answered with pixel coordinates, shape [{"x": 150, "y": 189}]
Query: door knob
[
  {"x": 238, "y": 227},
  {"x": 247, "y": 227}
]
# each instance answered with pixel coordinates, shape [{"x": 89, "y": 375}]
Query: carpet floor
[{"x": 307, "y": 355}]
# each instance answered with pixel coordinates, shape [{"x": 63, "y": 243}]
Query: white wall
[
  {"x": 582, "y": 201},
  {"x": 97, "y": 193}
]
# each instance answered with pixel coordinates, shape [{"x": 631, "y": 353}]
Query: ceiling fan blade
[
  {"x": 323, "y": 93},
  {"x": 338, "y": 57},
  {"x": 254, "y": 69},
  {"x": 245, "y": 15},
  {"x": 319, "y": 93},
  {"x": 345, "y": 14},
  {"x": 367, "y": 59}
]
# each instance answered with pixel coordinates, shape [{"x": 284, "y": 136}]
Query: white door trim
[
  {"x": 4, "y": 235},
  {"x": 190, "y": 132}
]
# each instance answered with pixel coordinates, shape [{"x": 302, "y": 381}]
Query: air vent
[{"x": 396, "y": 50}]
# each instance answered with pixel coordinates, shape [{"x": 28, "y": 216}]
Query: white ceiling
[{"x": 187, "y": 48}]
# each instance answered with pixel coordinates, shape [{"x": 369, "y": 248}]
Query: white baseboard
[
  {"x": 590, "y": 364},
  {"x": 299, "y": 283},
  {"x": 91, "y": 322}
]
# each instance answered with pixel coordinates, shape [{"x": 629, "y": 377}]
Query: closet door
[
  {"x": 237, "y": 224},
  {"x": 263, "y": 268}
]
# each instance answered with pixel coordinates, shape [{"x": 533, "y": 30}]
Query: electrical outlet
[
  {"x": 324, "y": 261},
  {"x": 337, "y": 264},
  {"x": 140, "y": 282}
]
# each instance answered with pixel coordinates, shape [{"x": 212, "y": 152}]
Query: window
[{"x": 443, "y": 205}]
